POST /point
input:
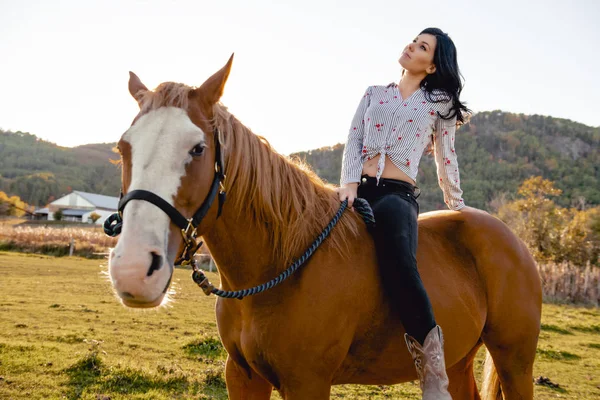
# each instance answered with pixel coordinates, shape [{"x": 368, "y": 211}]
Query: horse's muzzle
[{"x": 141, "y": 279}]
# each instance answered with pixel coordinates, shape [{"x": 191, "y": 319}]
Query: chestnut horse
[{"x": 329, "y": 323}]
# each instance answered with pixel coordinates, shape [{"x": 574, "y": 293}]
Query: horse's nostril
[{"x": 156, "y": 264}]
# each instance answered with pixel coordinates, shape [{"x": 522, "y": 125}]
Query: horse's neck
[
  {"x": 242, "y": 253},
  {"x": 241, "y": 247}
]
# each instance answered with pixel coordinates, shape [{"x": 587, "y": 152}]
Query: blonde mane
[{"x": 286, "y": 200}]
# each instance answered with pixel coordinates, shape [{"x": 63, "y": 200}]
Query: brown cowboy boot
[{"x": 430, "y": 364}]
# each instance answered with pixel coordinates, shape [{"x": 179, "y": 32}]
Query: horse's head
[{"x": 169, "y": 150}]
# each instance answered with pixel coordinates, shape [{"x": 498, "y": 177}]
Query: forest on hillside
[{"x": 39, "y": 172}]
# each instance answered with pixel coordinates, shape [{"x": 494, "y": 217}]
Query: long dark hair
[{"x": 447, "y": 77}]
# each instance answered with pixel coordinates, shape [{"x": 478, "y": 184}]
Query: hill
[
  {"x": 38, "y": 171},
  {"x": 496, "y": 152}
]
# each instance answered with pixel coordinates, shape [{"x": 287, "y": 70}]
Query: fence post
[
  {"x": 71, "y": 246},
  {"x": 210, "y": 265}
]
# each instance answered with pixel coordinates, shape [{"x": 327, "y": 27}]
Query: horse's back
[
  {"x": 495, "y": 257},
  {"x": 485, "y": 241}
]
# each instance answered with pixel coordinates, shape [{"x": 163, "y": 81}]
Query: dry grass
[
  {"x": 88, "y": 242},
  {"x": 566, "y": 283}
]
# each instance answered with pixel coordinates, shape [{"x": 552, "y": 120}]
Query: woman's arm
[
  {"x": 352, "y": 160},
  {"x": 447, "y": 163}
]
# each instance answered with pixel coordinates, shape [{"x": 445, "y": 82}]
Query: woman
[{"x": 391, "y": 129}]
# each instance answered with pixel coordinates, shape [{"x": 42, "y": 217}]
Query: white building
[{"x": 78, "y": 206}]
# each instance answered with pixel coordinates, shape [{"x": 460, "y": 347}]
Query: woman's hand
[{"x": 348, "y": 191}]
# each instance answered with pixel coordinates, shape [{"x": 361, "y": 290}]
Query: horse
[{"x": 330, "y": 323}]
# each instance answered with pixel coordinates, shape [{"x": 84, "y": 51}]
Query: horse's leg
[
  {"x": 240, "y": 386},
  {"x": 514, "y": 364},
  {"x": 462, "y": 381},
  {"x": 512, "y": 349}
]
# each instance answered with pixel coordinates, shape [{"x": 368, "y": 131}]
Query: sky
[{"x": 300, "y": 67}]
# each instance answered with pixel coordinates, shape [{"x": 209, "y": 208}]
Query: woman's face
[{"x": 417, "y": 57}]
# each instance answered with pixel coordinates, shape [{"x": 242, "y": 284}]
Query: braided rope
[{"x": 361, "y": 206}]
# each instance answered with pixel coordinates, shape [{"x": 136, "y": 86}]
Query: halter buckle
[{"x": 191, "y": 246}]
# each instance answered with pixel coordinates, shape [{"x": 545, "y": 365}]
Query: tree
[
  {"x": 13, "y": 206},
  {"x": 4, "y": 207},
  {"x": 94, "y": 217},
  {"x": 58, "y": 215},
  {"x": 535, "y": 218},
  {"x": 551, "y": 232},
  {"x": 577, "y": 242}
]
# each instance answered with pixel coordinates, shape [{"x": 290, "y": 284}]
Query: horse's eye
[{"x": 197, "y": 150}]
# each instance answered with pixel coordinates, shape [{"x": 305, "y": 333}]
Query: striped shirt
[{"x": 402, "y": 129}]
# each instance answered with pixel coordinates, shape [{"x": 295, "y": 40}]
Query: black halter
[{"x": 114, "y": 223}]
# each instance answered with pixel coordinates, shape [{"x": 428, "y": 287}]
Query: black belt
[{"x": 387, "y": 182}]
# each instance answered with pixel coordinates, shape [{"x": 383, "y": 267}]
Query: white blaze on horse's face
[{"x": 141, "y": 265}]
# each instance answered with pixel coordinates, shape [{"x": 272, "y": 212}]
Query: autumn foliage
[
  {"x": 13, "y": 206},
  {"x": 553, "y": 233}
]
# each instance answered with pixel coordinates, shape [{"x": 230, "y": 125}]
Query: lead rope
[{"x": 201, "y": 280}]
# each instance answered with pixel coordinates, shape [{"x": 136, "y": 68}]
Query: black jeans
[{"x": 396, "y": 236}]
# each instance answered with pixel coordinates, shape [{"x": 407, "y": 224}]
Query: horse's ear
[
  {"x": 212, "y": 89},
  {"x": 136, "y": 87}
]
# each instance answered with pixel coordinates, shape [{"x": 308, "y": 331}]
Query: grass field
[{"x": 63, "y": 334}]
